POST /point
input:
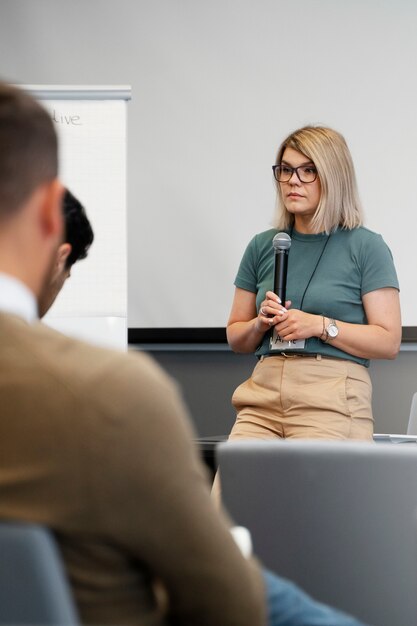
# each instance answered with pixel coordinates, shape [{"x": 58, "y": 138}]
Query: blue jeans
[{"x": 288, "y": 605}]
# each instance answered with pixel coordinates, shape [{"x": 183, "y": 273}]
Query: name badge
[{"x": 276, "y": 343}]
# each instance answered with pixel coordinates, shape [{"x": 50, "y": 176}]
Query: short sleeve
[
  {"x": 246, "y": 277},
  {"x": 378, "y": 269}
]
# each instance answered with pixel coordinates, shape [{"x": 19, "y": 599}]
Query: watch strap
[{"x": 327, "y": 336}]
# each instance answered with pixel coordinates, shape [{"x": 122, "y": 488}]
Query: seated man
[
  {"x": 78, "y": 237},
  {"x": 97, "y": 445}
]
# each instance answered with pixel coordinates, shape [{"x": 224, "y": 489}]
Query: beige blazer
[{"x": 98, "y": 446}]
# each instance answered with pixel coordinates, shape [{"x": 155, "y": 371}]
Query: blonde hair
[{"x": 339, "y": 204}]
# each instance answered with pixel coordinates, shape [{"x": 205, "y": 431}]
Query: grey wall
[{"x": 160, "y": 48}]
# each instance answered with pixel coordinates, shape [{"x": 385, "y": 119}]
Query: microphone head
[{"x": 281, "y": 241}]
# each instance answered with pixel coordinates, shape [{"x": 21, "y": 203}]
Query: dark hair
[
  {"x": 28, "y": 147},
  {"x": 78, "y": 231}
]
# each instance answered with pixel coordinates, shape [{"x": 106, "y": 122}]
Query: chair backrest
[
  {"x": 412, "y": 420},
  {"x": 335, "y": 517},
  {"x": 33, "y": 586}
]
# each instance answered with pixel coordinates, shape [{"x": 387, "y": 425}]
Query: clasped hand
[{"x": 291, "y": 324}]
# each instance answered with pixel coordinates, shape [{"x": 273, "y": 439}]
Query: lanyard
[{"x": 315, "y": 267}]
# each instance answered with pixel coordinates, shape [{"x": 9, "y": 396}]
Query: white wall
[{"x": 215, "y": 85}]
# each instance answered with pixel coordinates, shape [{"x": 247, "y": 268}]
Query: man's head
[
  {"x": 29, "y": 152},
  {"x": 78, "y": 237},
  {"x": 30, "y": 194}
]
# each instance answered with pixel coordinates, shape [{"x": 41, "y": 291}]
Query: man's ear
[
  {"x": 63, "y": 253},
  {"x": 51, "y": 209}
]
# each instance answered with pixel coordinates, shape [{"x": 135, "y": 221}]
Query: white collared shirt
[{"x": 17, "y": 299}]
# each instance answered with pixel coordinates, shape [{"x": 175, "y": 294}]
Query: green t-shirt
[{"x": 353, "y": 263}]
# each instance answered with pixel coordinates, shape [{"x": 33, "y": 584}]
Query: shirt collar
[{"x": 17, "y": 299}]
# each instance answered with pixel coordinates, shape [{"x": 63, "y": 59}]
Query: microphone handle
[{"x": 280, "y": 274}]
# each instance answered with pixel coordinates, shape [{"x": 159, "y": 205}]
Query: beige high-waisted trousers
[{"x": 304, "y": 397}]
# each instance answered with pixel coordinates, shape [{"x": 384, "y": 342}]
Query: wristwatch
[{"x": 331, "y": 330}]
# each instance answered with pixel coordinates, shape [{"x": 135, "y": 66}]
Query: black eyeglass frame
[{"x": 293, "y": 169}]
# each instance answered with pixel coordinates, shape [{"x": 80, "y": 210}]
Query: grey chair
[
  {"x": 412, "y": 420},
  {"x": 33, "y": 585},
  {"x": 335, "y": 517}
]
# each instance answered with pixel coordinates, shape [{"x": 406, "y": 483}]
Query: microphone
[{"x": 281, "y": 243}]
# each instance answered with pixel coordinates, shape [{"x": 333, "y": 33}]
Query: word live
[{"x": 68, "y": 120}]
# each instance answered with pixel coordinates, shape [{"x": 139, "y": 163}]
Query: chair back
[
  {"x": 412, "y": 420},
  {"x": 33, "y": 585},
  {"x": 335, "y": 517}
]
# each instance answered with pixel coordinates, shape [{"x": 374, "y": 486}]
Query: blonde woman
[{"x": 311, "y": 380}]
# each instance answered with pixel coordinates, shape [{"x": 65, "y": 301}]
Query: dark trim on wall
[
  {"x": 176, "y": 335},
  {"x": 208, "y": 335},
  {"x": 409, "y": 334}
]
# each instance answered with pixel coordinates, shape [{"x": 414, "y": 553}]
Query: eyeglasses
[{"x": 305, "y": 173}]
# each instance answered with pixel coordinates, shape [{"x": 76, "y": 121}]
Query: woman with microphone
[{"x": 342, "y": 308}]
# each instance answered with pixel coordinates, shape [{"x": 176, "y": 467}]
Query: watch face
[{"x": 333, "y": 330}]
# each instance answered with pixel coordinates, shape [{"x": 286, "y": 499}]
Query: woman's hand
[
  {"x": 247, "y": 325},
  {"x": 291, "y": 324},
  {"x": 296, "y": 324},
  {"x": 270, "y": 312}
]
